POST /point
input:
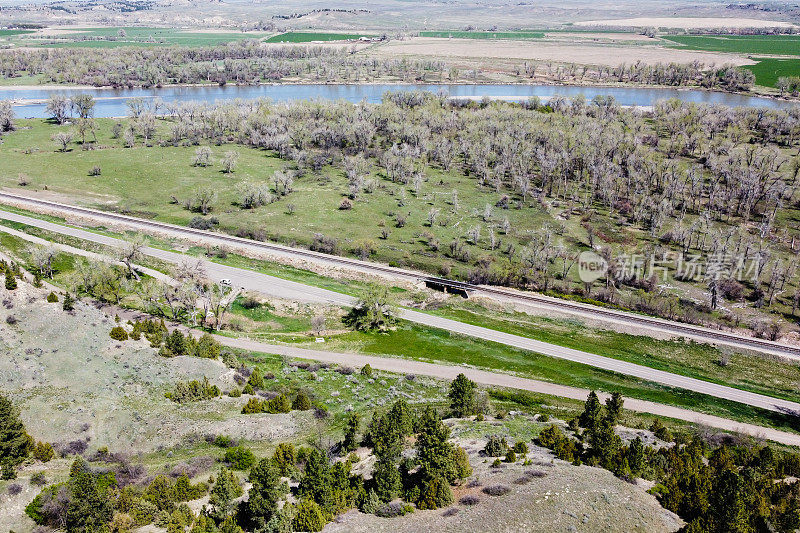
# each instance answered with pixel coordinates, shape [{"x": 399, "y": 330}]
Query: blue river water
[{"x": 111, "y": 102}]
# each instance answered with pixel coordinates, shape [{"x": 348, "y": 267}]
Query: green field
[
  {"x": 768, "y": 70},
  {"x": 307, "y": 37},
  {"x": 135, "y": 36},
  {"x": 740, "y": 44},
  {"x": 483, "y": 34},
  {"x": 11, "y": 33}
]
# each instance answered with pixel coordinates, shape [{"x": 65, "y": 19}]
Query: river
[{"x": 111, "y": 102}]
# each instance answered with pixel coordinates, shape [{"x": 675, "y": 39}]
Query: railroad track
[{"x": 695, "y": 332}]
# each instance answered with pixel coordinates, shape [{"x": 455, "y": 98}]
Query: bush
[
  {"x": 308, "y": 516},
  {"x": 118, "y": 333},
  {"x": 391, "y": 510},
  {"x": 544, "y": 417},
  {"x": 469, "y": 500},
  {"x": 253, "y": 406},
  {"x": 203, "y": 223},
  {"x": 366, "y": 371},
  {"x": 301, "y": 402},
  {"x": 52, "y": 298},
  {"x": 38, "y": 479},
  {"x": 346, "y": 205},
  {"x": 69, "y": 302},
  {"x": 496, "y": 490},
  {"x": 279, "y": 404},
  {"x": 521, "y": 448},
  {"x": 14, "y": 489},
  {"x": 235, "y": 393},
  {"x": 435, "y": 494},
  {"x": 11, "y": 320},
  {"x": 511, "y": 457},
  {"x": 43, "y": 451},
  {"x": 240, "y": 458},
  {"x": 496, "y": 446}
]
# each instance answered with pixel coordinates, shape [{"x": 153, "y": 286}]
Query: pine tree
[
  {"x": 11, "y": 280},
  {"x": 267, "y": 490},
  {"x": 15, "y": 443},
  {"x": 316, "y": 482},
  {"x": 591, "y": 412},
  {"x": 350, "y": 442},
  {"x": 462, "y": 396}
]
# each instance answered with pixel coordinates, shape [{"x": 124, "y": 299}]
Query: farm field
[
  {"x": 306, "y": 37},
  {"x": 111, "y": 37},
  {"x": 768, "y": 70},
  {"x": 740, "y": 44},
  {"x": 512, "y": 35}
]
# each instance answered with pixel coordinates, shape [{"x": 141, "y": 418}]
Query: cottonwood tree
[
  {"x": 58, "y": 106},
  {"x": 229, "y": 161},
  {"x": 42, "y": 257},
  {"x": 131, "y": 252},
  {"x": 63, "y": 138}
]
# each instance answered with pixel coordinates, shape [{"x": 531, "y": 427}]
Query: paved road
[
  {"x": 496, "y": 379},
  {"x": 272, "y": 286},
  {"x": 249, "y": 247}
]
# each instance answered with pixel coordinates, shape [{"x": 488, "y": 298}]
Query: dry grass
[
  {"x": 609, "y": 55},
  {"x": 686, "y": 23}
]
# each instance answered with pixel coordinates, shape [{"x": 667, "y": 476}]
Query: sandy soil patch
[
  {"x": 565, "y": 53},
  {"x": 688, "y": 22}
]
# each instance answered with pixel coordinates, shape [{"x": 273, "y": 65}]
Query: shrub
[
  {"x": 43, "y": 451},
  {"x": 203, "y": 223},
  {"x": 308, "y": 516},
  {"x": 193, "y": 391},
  {"x": 497, "y": 463},
  {"x": 450, "y": 512},
  {"x": 253, "y": 406},
  {"x": 366, "y": 371},
  {"x": 469, "y": 499},
  {"x": 521, "y": 448},
  {"x": 391, "y": 510},
  {"x": 52, "y": 298},
  {"x": 301, "y": 402},
  {"x": 544, "y": 417},
  {"x": 279, "y": 404},
  {"x": 435, "y": 494},
  {"x": 14, "y": 489},
  {"x": 95, "y": 171},
  {"x": 118, "y": 333},
  {"x": 511, "y": 457},
  {"x": 346, "y": 205},
  {"x": 235, "y": 393},
  {"x": 496, "y": 490},
  {"x": 496, "y": 446},
  {"x": 240, "y": 458},
  {"x": 11, "y": 320},
  {"x": 38, "y": 479}
]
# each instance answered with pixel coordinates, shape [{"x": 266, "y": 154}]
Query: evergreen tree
[
  {"x": 69, "y": 302},
  {"x": 435, "y": 454},
  {"x": 350, "y": 442},
  {"x": 591, "y": 412},
  {"x": 226, "y": 489},
  {"x": 11, "y": 280},
  {"x": 267, "y": 490},
  {"x": 386, "y": 479},
  {"x": 15, "y": 443},
  {"x": 462, "y": 396},
  {"x": 316, "y": 482}
]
